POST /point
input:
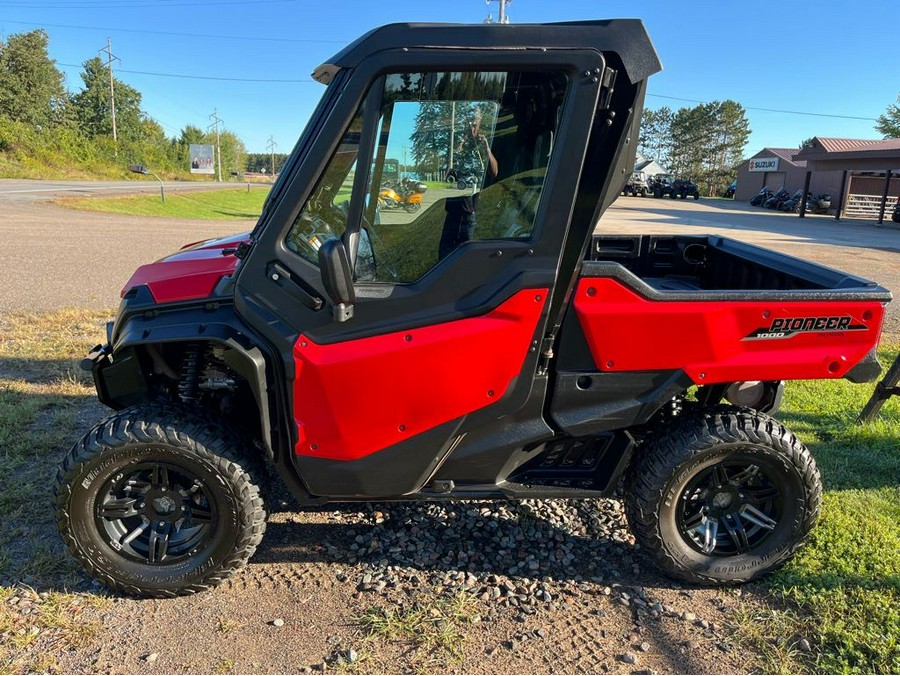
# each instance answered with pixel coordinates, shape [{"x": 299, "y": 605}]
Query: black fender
[{"x": 120, "y": 368}]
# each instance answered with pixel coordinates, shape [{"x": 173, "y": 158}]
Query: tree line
[
  {"x": 44, "y": 127},
  {"x": 705, "y": 143}
]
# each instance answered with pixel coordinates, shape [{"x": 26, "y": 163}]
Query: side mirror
[{"x": 337, "y": 275}]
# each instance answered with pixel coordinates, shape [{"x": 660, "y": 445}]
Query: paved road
[
  {"x": 53, "y": 257},
  {"x": 736, "y": 219},
  {"x": 854, "y": 246},
  {"x": 22, "y": 191}
]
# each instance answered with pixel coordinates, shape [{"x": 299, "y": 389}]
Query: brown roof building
[{"x": 861, "y": 175}]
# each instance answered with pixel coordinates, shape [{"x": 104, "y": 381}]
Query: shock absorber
[{"x": 189, "y": 379}]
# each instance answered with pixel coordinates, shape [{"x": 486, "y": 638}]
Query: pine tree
[
  {"x": 31, "y": 87},
  {"x": 92, "y": 105}
]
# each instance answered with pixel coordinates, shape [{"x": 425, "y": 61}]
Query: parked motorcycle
[
  {"x": 761, "y": 197},
  {"x": 819, "y": 203},
  {"x": 895, "y": 214},
  {"x": 407, "y": 194},
  {"x": 776, "y": 200},
  {"x": 792, "y": 204},
  {"x": 730, "y": 190}
]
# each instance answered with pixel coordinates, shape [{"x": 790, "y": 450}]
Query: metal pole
[
  {"x": 216, "y": 121},
  {"x": 112, "y": 89},
  {"x": 840, "y": 204},
  {"x": 805, "y": 193},
  {"x": 162, "y": 187},
  {"x": 502, "y": 18},
  {"x": 884, "y": 196},
  {"x": 271, "y": 148},
  {"x": 452, "y": 133}
]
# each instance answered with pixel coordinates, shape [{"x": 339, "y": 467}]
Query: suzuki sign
[{"x": 764, "y": 164}]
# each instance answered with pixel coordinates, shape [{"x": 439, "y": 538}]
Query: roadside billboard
[{"x": 202, "y": 158}]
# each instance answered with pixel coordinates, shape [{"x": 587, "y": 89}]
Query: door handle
[{"x": 283, "y": 278}]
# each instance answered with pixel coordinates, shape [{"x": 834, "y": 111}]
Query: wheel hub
[
  {"x": 164, "y": 505},
  {"x": 722, "y": 500}
]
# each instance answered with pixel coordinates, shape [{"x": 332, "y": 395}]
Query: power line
[
  {"x": 177, "y": 34},
  {"x": 776, "y": 110},
  {"x": 195, "y": 77}
]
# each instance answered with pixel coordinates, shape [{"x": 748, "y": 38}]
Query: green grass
[
  {"x": 432, "y": 629},
  {"x": 226, "y": 204},
  {"x": 845, "y": 585},
  {"x": 41, "y": 394}
]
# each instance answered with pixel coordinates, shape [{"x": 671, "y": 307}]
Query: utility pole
[
  {"x": 502, "y": 18},
  {"x": 215, "y": 124},
  {"x": 270, "y": 146},
  {"x": 110, "y": 57}
]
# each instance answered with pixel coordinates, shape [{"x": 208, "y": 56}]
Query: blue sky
[{"x": 813, "y": 56}]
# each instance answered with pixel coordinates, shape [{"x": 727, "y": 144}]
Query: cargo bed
[
  {"x": 724, "y": 311},
  {"x": 705, "y": 267}
]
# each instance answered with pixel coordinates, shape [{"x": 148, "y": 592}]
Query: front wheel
[
  {"x": 160, "y": 501},
  {"x": 723, "y": 497}
]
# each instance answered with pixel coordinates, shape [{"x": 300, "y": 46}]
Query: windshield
[{"x": 313, "y": 126}]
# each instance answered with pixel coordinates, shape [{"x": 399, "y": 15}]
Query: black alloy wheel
[
  {"x": 160, "y": 501},
  {"x": 729, "y": 508},
  {"x": 723, "y": 495},
  {"x": 156, "y": 513}
]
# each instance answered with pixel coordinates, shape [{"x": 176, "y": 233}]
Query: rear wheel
[
  {"x": 723, "y": 497},
  {"x": 160, "y": 501}
]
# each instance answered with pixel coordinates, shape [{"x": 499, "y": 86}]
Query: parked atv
[
  {"x": 637, "y": 185},
  {"x": 661, "y": 185},
  {"x": 462, "y": 358},
  {"x": 684, "y": 188}
]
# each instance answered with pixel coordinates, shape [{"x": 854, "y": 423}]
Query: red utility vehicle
[{"x": 488, "y": 345}]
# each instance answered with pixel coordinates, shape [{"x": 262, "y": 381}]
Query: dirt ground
[
  {"x": 536, "y": 587},
  {"x": 298, "y": 605}
]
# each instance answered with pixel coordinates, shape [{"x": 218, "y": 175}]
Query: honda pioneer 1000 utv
[{"x": 487, "y": 345}]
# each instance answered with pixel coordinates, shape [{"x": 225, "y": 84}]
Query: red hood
[{"x": 192, "y": 272}]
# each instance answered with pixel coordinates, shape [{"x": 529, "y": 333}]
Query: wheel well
[{"x": 217, "y": 376}]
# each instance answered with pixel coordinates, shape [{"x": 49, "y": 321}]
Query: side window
[
  {"x": 460, "y": 156},
  {"x": 325, "y": 213}
]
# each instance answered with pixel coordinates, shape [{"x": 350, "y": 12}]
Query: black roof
[{"x": 626, "y": 37}]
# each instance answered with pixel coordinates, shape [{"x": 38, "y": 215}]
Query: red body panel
[
  {"x": 192, "y": 272},
  {"x": 357, "y": 397},
  {"x": 712, "y": 340}
]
